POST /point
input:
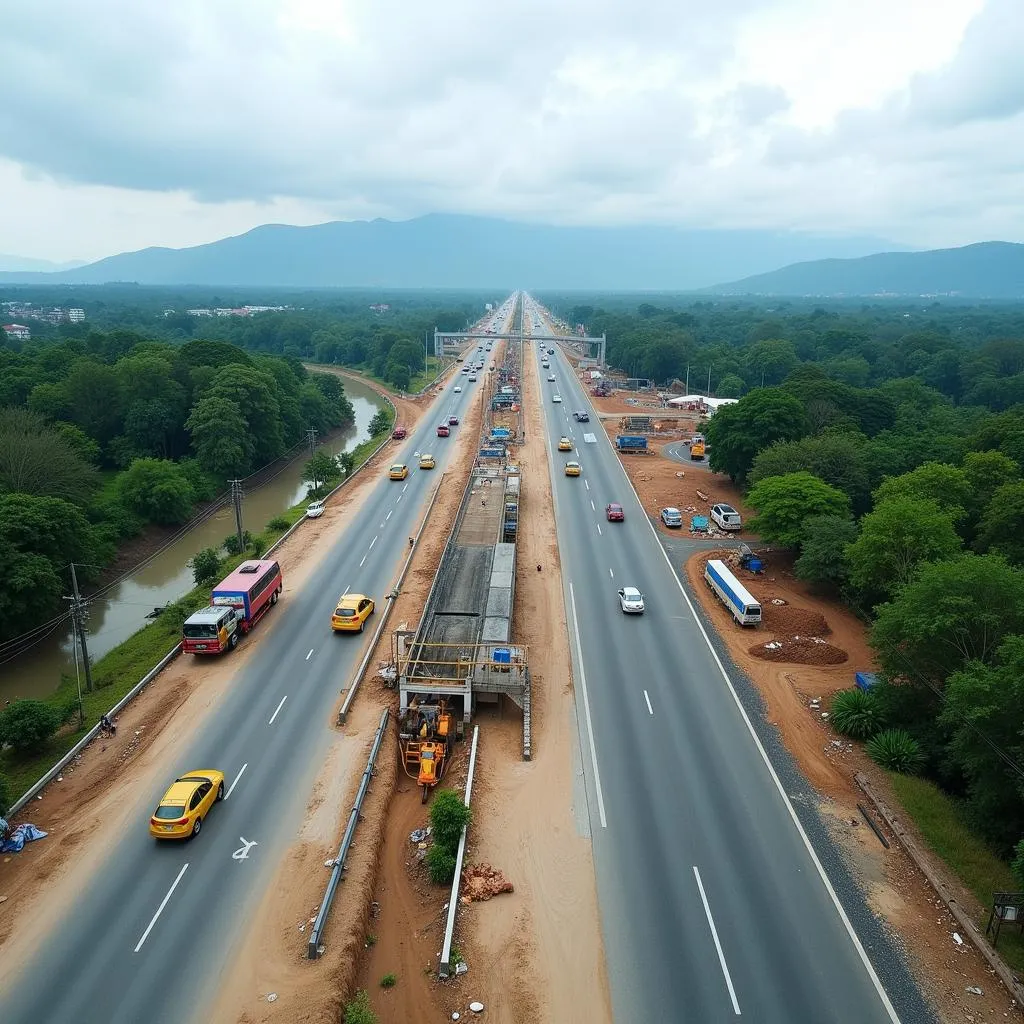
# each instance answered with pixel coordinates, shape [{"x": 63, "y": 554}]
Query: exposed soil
[{"x": 801, "y": 650}]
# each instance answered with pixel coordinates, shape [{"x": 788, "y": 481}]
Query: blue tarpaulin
[
  {"x": 19, "y": 837},
  {"x": 699, "y": 523}
]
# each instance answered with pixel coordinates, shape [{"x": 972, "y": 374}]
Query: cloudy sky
[{"x": 126, "y": 124}]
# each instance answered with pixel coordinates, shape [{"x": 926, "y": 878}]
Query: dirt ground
[
  {"x": 369, "y": 903},
  {"x": 796, "y": 697},
  {"x": 82, "y": 810}
]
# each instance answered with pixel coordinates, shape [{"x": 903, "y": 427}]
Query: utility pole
[
  {"x": 311, "y": 436},
  {"x": 687, "y": 378},
  {"x": 709, "y": 379},
  {"x": 236, "y": 500},
  {"x": 78, "y": 620}
]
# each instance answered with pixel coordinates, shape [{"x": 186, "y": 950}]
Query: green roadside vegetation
[
  {"x": 118, "y": 671},
  {"x": 940, "y": 820},
  {"x": 417, "y": 381}
]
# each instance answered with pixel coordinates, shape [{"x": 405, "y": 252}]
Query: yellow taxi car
[
  {"x": 426, "y": 462},
  {"x": 399, "y": 471},
  {"x": 351, "y": 613},
  {"x": 184, "y": 806},
  {"x": 565, "y": 445},
  {"x": 573, "y": 469}
]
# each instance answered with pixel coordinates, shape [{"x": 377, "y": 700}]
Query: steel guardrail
[
  {"x": 445, "y": 968},
  {"x": 317, "y": 932}
]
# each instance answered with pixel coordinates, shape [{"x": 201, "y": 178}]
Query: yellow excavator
[
  {"x": 697, "y": 447},
  {"x": 424, "y": 734}
]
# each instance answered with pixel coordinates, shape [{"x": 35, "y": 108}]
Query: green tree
[
  {"x": 772, "y": 359},
  {"x": 94, "y": 399},
  {"x": 1002, "y": 524},
  {"x": 730, "y": 386},
  {"x": 984, "y": 711},
  {"x": 321, "y": 468},
  {"x": 738, "y": 432},
  {"x": 255, "y": 393},
  {"x": 946, "y": 486},
  {"x": 784, "y": 503},
  {"x": 950, "y": 613},
  {"x": 205, "y": 566},
  {"x": 36, "y": 459},
  {"x": 986, "y": 472},
  {"x": 823, "y": 550},
  {"x": 894, "y": 540},
  {"x": 220, "y": 438},
  {"x": 381, "y": 422},
  {"x": 26, "y": 725},
  {"x": 158, "y": 490},
  {"x": 31, "y": 592}
]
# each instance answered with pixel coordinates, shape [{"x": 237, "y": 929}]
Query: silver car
[{"x": 631, "y": 601}]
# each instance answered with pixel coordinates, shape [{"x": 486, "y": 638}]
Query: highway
[
  {"x": 148, "y": 939},
  {"x": 713, "y": 905}
]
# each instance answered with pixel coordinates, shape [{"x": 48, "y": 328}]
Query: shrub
[
  {"x": 5, "y": 796},
  {"x": 1016, "y": 865},
  {"x": 27, "y": 724},
  {"x": 279, "y": 523},
  {"x": 857, "y": 713},
  {"x": 359, "y": 1011},
  {"x": 448, "y": 815},
  {"x": 231, "y": 545},
  {"x": 440, "y": 864},
  {"x": 897, "y": 751},
  {"x": 388, "y": 981},
  {"x": 257, "y": 545},
  {"x": 205, "y": 566}
]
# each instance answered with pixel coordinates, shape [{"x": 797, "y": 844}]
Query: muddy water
[{"x": 122, "y": 609}]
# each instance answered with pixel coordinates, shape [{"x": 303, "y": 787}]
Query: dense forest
[
  {"x": 101, "y": 434},
  {"x": 884, "y": 445}
]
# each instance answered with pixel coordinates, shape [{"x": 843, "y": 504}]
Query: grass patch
[{"x": 945, "y": 831}]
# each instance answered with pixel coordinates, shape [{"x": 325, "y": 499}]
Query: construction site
[{"x": 460, "y": 656}]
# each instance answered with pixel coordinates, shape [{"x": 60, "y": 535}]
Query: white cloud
[{"x": 179, "y": 123}]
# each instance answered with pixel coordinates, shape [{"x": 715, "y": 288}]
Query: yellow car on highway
[
  {"x": 184, "y": 806},
  {"x": 565, "y": 445},
  {"x": 351, "y": 613},
  {"x": 573, "y": 469},
  {"x": 426, "y": 462},
  {"x": 399, "y": 471}
]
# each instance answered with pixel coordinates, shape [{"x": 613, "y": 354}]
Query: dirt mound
[
  {"x": 481, "y": 882},
  {"x": 803, "y": 650},
  {"x": 793, "y": 621}
]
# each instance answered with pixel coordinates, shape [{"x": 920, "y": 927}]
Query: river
[{"x": 122, "y": 610}]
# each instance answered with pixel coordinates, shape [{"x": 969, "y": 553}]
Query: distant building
[
  {"x": 381, "y": 307},
  {"x": 199, "y": 312},
  {"x": 76, "y": 316},
  {"x": 19, "y": 331}
]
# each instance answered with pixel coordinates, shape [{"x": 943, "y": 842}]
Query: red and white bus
[{"x": 251, "y": 589}]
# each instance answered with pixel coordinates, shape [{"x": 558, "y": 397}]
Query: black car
[{"x": 581, "y": 416}]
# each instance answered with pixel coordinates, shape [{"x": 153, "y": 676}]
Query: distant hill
[
  {"x": 20, "y": 264},
  {"x": 446, "y": 251},
  {"x": 985, "y": 270}
]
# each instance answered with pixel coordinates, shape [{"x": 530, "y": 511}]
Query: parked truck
[
  {"x": 697, "y": 447},
  {"x": 631, "y": 443}
]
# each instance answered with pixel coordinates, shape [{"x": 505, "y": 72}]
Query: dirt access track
[
  {"x": 85, "y": 810},
  {"x": 796, "y": 693}
]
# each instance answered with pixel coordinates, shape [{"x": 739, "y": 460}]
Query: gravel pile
[
  {"x": 792, "y": 621},
  {"x": 481, "y": 882},
  {"x": 802, "y": 650}
]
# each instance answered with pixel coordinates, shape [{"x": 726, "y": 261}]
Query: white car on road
[
  {"x": 556, "y": 398},
  {"x": 458, "y": 390},
  {"x": 631, "y": 601}
]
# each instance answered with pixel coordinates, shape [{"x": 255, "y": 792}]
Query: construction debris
[{"x": 481, "y": 882}]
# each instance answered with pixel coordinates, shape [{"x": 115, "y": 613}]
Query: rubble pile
[
  {"x": 481, "y": 882},
  {"x": 802, "y": 650},
  {"x": 793, "y": 621}
]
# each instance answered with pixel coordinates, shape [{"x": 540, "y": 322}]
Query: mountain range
[{"x": 452, "y": 251}]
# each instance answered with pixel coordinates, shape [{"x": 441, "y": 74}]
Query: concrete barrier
[
  {"x": 449, "y": 931},
  {"x": 316, "y": 934}
]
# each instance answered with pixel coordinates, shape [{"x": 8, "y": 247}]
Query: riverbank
[{"x": 120, "y": 669}]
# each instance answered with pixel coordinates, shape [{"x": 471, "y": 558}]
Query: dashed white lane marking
[
  {"x": 599, "y": 529},
  {"x": 310, "y": 655},
  {"x": 388, "y": 516},
  {"x": 160, "y": 909},
  {"x": 610, "y": 573},
  {"x": 279, "y": 706},
  {"x": 231, "y": 788},
  {"x": 648, "y": 699},
  {"x": 372, "y": 542},
  {"x": 592, "y": 505}
]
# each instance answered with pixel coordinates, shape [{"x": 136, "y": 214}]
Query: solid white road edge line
[
  {"x": 718, "y": 945},
  {"x": 648, "y": 699},
  {"x": 819, "y": 867},
  {"x": 279, "y": 706},
  {"x": 241, "y": 772},
  {"x": 586, "y": 709},
  {"x": 160, "y": 909}
]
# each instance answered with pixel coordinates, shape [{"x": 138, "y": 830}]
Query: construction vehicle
[
  {"x": 424, "y": 735},
  {"x": 697, "y": 447}
]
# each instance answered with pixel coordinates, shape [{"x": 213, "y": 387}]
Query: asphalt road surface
[
  {"x": 713, "y": 905},
  {"x": 150, "y": 936}
]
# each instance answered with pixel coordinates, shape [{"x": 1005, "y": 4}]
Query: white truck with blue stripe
[{"x": 742, "y": 605}]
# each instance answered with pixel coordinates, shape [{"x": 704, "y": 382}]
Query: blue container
[
  {"x": 503, "y": 655},
  {"x": 755, "y": 564},
  {"x": 865, "y": 680}
]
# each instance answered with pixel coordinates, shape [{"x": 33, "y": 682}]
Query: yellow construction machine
[{"x": 424, "y": 735}]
